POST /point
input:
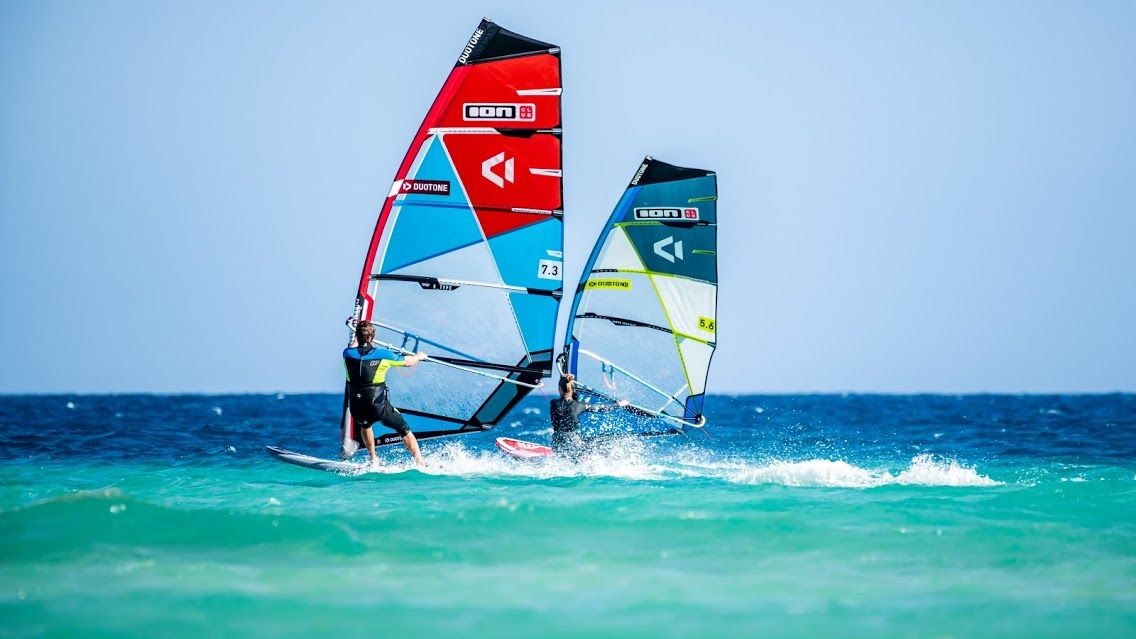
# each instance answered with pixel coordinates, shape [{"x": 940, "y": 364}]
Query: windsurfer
[
  {"x": 369, "y": 400},
  {"x": 565, "y": 413}
]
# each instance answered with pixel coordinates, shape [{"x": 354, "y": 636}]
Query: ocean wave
[{"x": 924, "y": 470}]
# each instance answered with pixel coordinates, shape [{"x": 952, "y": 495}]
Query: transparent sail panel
[{"x": 470, "y": 322}]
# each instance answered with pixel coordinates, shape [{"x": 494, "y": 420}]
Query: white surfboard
[{"x": 307, "y": 461}]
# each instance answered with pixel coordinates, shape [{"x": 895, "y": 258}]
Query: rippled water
[{"x": 800, "y": 516}]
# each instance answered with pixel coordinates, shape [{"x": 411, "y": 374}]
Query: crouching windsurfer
[
  {"x": 565, "y": 414},
  {"x": 369, "y": 399}
]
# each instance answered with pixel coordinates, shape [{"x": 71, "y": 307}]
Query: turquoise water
[{"x": 798, "y": 516}]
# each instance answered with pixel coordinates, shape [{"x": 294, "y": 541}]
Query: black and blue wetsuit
[
  {"x": 369, "y": 401},
  {"x": 565, "y": 416}
]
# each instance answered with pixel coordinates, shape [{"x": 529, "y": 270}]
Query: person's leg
[
  {"x": 369, "y": 440},
  {"x": 411, "y": 443},
  {"x": 394, "y": 420}
]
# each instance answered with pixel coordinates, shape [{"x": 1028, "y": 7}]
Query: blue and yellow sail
[{"x": 643, "y": 326}]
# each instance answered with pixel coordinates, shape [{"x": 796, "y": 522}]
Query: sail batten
[{"x": 466, "y": 258}]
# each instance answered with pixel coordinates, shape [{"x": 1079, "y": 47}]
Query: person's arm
[
  {"x": 622, "y": 404},
  {"x": 606, "y": 408},
  {"x": 414, "y": 359}
]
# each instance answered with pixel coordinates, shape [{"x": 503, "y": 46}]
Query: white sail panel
[
  {"x": 696, "y": 358},
  {"x": 618, "y": 254},
  {"x": 691, "y": 305},
  {"x": 472, "y": 263},
  {"x": 621, "y": 296}
]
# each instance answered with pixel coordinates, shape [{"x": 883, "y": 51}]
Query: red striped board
[{"x": 522, "y": 449}]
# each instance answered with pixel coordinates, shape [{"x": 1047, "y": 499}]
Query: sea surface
[{"x": 790, "y": 516}]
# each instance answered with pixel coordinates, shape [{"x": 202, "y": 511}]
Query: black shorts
[{"x": 370, "y": 406}]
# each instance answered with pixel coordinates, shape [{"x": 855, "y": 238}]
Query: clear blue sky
[{"x": 913, "y": 196}]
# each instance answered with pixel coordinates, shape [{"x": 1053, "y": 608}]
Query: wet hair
[
  {"x": 564, "y": 380},
  {"x": 364, "y": 332}
]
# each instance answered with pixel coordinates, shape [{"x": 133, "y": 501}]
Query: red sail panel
[
  {"x": 507, "y": 172},
  {"x": 503, "y": 94},
  {"x": 495, "y": 223}
]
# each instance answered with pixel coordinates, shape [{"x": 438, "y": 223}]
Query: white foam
[
  {"x": 813, "y": 472},
  {"x": 626, "y": 460},
  {"x": 637, "y": 459},
  {"x": 924, "y": 470}
]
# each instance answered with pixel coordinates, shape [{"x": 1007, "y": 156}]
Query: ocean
[{"x": 790, "y": 516}]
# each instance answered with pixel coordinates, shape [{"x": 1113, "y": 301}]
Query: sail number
[
  {"x": 707, "y": 324},
  {"x": 549, "y": 270}
]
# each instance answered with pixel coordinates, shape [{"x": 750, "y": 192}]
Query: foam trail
[
  {"x": 627, "y": 460},
  {"x": 924, "y": 470},
  {"x": 635, "y": 459},
  {"x": 813, "y": 472}
]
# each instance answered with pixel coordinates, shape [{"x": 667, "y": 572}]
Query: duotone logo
[
  {"x": 426, "y": 187},
  {"x": 488, "y": 173},
  {"x": 669, "y": 242}
]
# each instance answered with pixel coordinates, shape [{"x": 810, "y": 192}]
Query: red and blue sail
[{"x": 466, "y": 258}]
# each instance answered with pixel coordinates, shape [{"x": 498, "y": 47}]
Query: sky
[{"x": 913, "y": 197}]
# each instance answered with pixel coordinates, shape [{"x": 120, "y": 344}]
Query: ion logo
[
  {"x": 425, "y": 187},
  {"x": 688, "y": 214},
  {"x": 498, "y": 111}
]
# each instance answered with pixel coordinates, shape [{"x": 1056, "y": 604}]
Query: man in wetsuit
[
  {"x": 565, "y": 414},
  {"x": 368, "y": 398}
]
